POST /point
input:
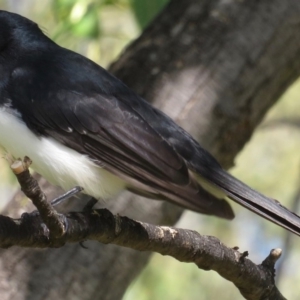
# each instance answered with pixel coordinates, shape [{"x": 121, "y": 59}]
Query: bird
[{"x": 80, "y": 125}]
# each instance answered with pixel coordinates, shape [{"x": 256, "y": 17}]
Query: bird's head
[{"x": 17, "y": 32}]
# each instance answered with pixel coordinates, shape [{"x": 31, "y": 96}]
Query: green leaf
[
  {"x": 88, "y": 25},
  {"x": 62, "y": 8}
]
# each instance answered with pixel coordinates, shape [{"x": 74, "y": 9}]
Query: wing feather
[{"x": 99, "y": 116}]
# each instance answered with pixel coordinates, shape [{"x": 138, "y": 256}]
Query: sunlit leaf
[{"x": 87, "y": 25}]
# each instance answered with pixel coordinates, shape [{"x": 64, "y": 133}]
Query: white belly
[{"x": 57, "y": 163}]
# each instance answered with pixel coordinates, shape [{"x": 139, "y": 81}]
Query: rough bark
[
  {"x": 216, "y": 67},
  {"x": 37, "y": 230}
]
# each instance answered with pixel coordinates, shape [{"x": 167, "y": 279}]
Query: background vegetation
[{"x": 269, "y": 163}]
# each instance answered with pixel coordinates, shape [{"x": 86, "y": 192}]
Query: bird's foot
[
  {"x": 90, "y": 204},
  {"x": 58, "y": 200},
  {"x": 67, "y": 195},
  {"x": 28, "y": 217}
]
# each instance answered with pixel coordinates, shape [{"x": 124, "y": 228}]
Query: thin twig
[{"x": 30, "y": 187}]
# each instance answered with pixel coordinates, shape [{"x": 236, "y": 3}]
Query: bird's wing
[
  {"x": 210, "y": 174},
  {"x": 111, "y": 132},
  {"x": 135, "y": 141}
]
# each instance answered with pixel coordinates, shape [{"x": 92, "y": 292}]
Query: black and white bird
[{"x": 82, "y": 126}]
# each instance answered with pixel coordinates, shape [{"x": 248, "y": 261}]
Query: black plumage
[{"x": 63, "y": 95}]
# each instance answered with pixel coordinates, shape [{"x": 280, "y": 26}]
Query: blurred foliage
[
  {"x": 80, "y": 17},
  {"x": 100, "y": 29},
  {"x": 270, "y": 161},
  {"x": 146, "y": 10}
]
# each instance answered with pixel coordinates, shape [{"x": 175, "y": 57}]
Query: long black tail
[{"x": 266, "y": 207}]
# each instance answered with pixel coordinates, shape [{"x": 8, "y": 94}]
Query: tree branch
[
  {"x": 207, "y": 252},
  {"x": 214, "y": 66},
  {"x": 31, "y": 189}
]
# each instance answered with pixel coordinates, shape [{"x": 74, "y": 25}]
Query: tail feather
[
  {"x": 192, "y": 197},
  {"x": 268, "y": 208}
]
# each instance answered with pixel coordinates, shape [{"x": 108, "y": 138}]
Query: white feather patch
[{"x": 59, "y": 164}]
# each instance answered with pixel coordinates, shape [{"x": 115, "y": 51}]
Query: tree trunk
[{"x": 216, "y": 67}]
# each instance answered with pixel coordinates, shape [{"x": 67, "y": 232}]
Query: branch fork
[{"x": 51, "y": 229}]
